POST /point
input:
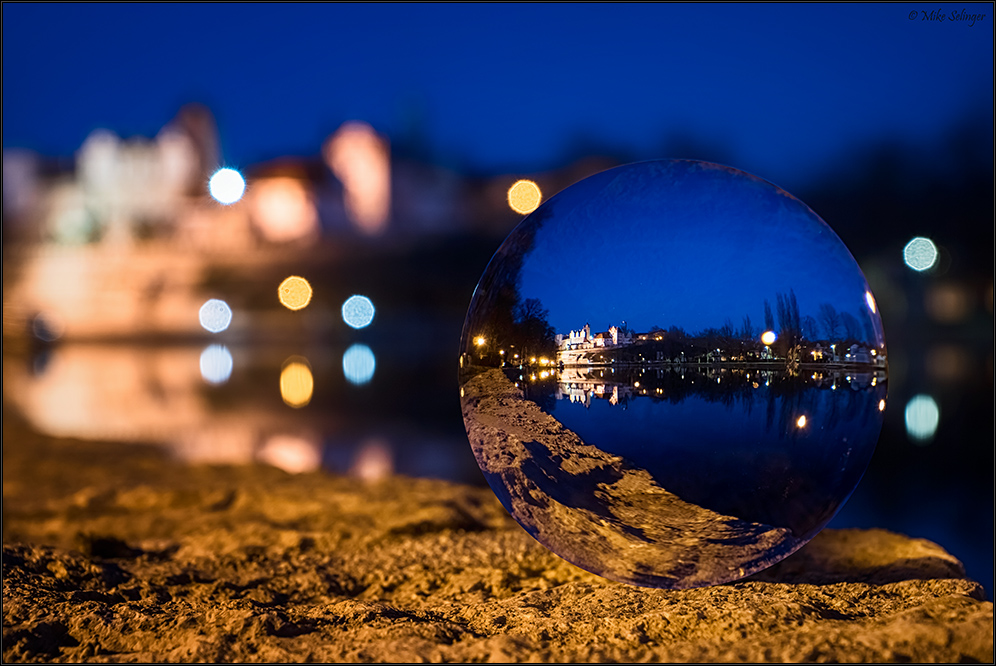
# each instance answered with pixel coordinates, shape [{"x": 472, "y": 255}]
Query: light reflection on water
[
  {"x": 216, "y": 364},
  {"x": 781, "y": 449},
  {"x": 237, "y": 405}
]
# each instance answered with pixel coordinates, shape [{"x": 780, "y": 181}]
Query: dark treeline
[{"x": 743, "y": 342}]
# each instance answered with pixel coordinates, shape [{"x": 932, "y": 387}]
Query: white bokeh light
[
  {"x": 922, "y": 416},
  {"x": 358, "y": 364},
  {"x": 215, "y": 315},
  {"x": 216, "y": 364},
  {"x": 226, "y": 186},
  {"x": 920, "y": 253},
  {"x": 358, "y": 311}
]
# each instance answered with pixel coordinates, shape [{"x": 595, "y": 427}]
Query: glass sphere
[{"x": 672, "y": 374}]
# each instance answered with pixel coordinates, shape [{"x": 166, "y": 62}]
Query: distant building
[
  {"x": 857, "y": 354},
  {"x": 584, "y": 339}
]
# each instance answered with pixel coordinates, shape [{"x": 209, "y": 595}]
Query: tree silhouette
[
  {"x": 830, "y": 321},
  {"x": 810, "y": 331},
  {"x": 494, "y": 308},
  {"x": 533, "y": 332},
  {"x": 790, "y": 329},
  {"x": 747, "y": 329},
  {"x": 852, "y": 328}
]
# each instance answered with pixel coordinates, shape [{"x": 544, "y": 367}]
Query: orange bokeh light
[
  {"x": 294, "y": 293},
  {"x": 524, "y": 196}
]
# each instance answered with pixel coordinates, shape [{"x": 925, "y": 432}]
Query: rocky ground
[{"x": 115, "y": 553}]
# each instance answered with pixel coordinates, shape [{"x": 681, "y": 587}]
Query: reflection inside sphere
[{"x": 671, "y": 374}]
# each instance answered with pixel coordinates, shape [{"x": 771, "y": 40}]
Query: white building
[{"x": 584, "y": 339}]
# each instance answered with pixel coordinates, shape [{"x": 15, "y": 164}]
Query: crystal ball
[{"x": 672, "y": 374}]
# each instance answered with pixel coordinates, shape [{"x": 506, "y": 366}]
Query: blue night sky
[
  {"x": 782, "y": 90},
  {"x": 676, "y": 243}
]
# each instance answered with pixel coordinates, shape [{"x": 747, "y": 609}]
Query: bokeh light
[
  {"x": 801, "y": 421},
  {"x": 296, "y": 382},
  {"x": 374, "y": 461},
  {"x": 215, "y": 315},
  {"x": 47, "y": 328},
  {"x": 920, "y": 253},
  {"x": 294, "y": 454},
  {"x": 358, "y": 364},
  {"x": 768, "y": 337},
  {"x": 216, "y": 364},
  {"x": 922, "y": 417},
  {"x": 226, "y": 186},
  {"x": 358, "y": 311},
  {"x": 524, "y": 196},
  {"x": 283, "y": 209},
  {"x": 360, "y": 158},
  {"x": 294, "y": 293}
]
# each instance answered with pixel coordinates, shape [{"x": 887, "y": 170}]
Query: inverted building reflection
[
  {"x": 228, "y": 404},
  {"x": 618, "y": 386}
]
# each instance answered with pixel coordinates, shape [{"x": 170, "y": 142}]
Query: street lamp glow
[
  {"x": 768, "y": 337},
  {"x": 226, "y": 186},
  {"x": 920, "y": 254},
  {"x": 479, "y": 341}
]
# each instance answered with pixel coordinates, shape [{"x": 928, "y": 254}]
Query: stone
[{"x": 117, "y": 553}]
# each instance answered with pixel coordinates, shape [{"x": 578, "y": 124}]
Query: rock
[
  {"x": 164, "y": 562},
  {"x": 597, "y": 511}
]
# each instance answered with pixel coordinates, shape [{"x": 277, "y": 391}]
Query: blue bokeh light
[
  {"x": 215, "y": 315},
  {"x": 358, "y": 311},
  {"x": 358, "y": 364}
]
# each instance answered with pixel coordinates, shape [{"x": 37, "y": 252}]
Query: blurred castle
[
  {"x": 126, "y": 191},
  {"x": 118, "y": 243}
]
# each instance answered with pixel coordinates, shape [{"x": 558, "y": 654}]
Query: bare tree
[
  {"x": 531, "y": 308},
  {"x": 790, "y": 329},
  {"x": 809, "y": 328},
  {"x": 830, "y": 321},
  {"x": 747, "y": 329},
  {"x": 852, "y": 328}
]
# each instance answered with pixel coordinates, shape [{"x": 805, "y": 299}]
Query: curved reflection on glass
[{"x": 672, "y": 374}]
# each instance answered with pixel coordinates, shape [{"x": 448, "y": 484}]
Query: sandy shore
[{"x": 117, "y": 553}]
